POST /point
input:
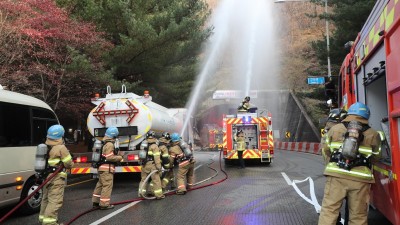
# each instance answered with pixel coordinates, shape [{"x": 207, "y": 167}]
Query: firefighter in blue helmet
[
  {"x": 53, "y": 191},
  {"x": 102, "y": 192},
  {"x": 183, "y": 156},
  {"x": 349, "y": 148}
]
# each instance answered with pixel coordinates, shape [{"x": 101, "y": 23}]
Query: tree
[
  {"x": 59, "y": 59},
  {"x": 348, "y": 17},
  {"x": 156, "y": 42}
]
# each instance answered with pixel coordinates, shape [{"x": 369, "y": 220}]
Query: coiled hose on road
[
  {"x": 34, "y": 192},
  {"x": 167, "y": 193}
]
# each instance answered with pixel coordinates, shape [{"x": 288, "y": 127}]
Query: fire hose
[
  {"x": 34, "y": 192},
  {"x": 166, "y": 193}
]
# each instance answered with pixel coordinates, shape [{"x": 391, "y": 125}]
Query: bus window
[
  {"x": 42, "y": 119},
  {"x": 14, "y": 119}
]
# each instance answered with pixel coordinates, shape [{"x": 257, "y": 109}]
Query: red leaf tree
[{"x": 45, "y": 53}]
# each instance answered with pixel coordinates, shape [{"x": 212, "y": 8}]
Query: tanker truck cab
[
  {"x": 134, "y": 116},
  {"x": 257, "y": 129}
]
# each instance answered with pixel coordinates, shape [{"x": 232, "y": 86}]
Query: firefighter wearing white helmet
[
  {"x": 350, "y": 147},
  {"x": 53, "y": 191},
  {"x": 102, "y": 192},
  {"x": 151, "y": 163}
]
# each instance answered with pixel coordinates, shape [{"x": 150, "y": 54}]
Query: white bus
[{"x": 24, "y": 121}]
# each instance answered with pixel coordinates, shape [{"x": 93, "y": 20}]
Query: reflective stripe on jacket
[
  {"x": 369, "y": 148},
  {"x": 58, "y": 155}
]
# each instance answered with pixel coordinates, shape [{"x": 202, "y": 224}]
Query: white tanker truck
[{"x": 134, "y": 116}]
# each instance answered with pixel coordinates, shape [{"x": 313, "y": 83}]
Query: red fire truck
[
  {"x": 370, "y": 74},
  {"x": 212, "y": 136},
  {"x": 257, "y": 130}
]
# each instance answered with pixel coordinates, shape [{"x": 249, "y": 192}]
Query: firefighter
[
  {"x": 175, "y": 153},
  {"x": 350, "y": 147},
  {"x": 335, "y": 116},
  {"x": 245, "y": 106},
  {"x": 240, "y": 147},
  {"x": 190, "y": 173},
  {"x": 182, "y": 153},
  {"x": 150, "y": 164},
  {"x": 164, "y": 142},
  {"x": 53, "y": 191},
  {"x": 102, "y": 192}
]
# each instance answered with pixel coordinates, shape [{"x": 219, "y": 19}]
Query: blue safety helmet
[
  {"x": 55, "y": 132},
  {"x": 175, "y": 137},
  {"x": 359, "y": 109},
  {"x": 112, "y": 132}
]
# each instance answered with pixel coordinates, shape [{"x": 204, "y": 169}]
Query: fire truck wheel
[{"x": 33, "y": 204}]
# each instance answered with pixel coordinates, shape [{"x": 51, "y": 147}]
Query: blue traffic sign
[{"x": 316, "y": 80}]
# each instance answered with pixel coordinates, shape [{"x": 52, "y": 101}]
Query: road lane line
[
  {"x": 114, "y": 213},
  {"x": 198, "y": 166},
  {"x": 288, "y": 181}
]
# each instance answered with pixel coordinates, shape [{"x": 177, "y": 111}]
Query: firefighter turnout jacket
[
  {"x": 109, "y": 156},
  {"x": 369, "y": 148},
  {"x": 53, "y": 191},
  {"x": 163, "y": 146},
  {"x": 241, "y": 146}
]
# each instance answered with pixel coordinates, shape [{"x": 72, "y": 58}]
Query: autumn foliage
[{"x": 45, "y": 53}]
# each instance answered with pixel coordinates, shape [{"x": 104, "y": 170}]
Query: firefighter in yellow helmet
[
  {"x": 102, "y": 192},
  {"x": 150, "y": 164},
  {"x": 350, "y": 147},
  {"x": 53, "y": 191}
]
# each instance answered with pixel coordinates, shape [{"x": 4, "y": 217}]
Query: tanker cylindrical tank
[{"x": 113, "y": 111}]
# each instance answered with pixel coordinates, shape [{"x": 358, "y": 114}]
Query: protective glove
[{"x": 159, "y": 169}]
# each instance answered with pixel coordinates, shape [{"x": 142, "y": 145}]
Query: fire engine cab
[
  {"x": 370, "y": 74},
  {"x": 257, "y": 130},
  {"x": 134, "y": 116}
]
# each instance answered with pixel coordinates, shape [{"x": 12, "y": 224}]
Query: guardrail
[{"x": 306, "y": 147}]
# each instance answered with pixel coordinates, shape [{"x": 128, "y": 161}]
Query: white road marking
[
  {"x": 288, "y": 181},
  {"x": 313, "y": 201},
  {"x": 198, "y": 166},
  {"x": 114, "y": 213}
]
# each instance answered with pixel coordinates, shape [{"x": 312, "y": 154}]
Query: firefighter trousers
[
  {"x": 53, "y": 195},
  {"x": 240, "y": 158},
  {"x": 103, "y": 189},
  {"x": 336, "y": 189},
  {"x": 169, "y": 178},
  {"x": 155, "y": 180},
  {"x": 186, "y": 171}
]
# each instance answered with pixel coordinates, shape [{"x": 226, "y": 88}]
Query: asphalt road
[{"x": 258, "y": 194}]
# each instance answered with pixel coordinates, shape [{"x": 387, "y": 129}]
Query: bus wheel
[{"x": 33, "y": 204}]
